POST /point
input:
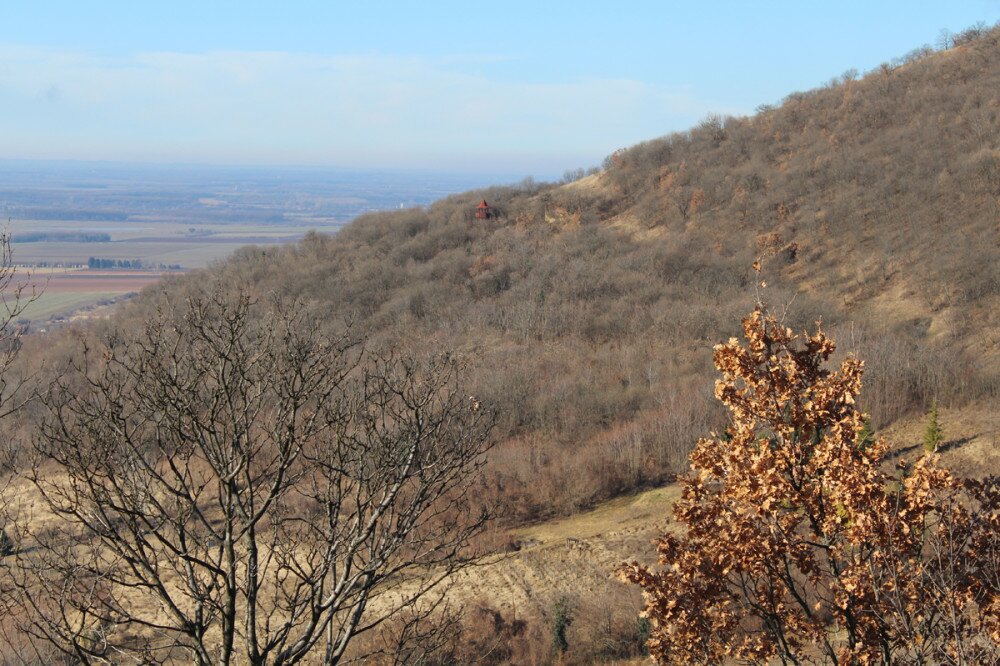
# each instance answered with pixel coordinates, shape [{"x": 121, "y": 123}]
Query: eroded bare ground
[
  {"x": 577, "y": 555},
  {"x": 569, "y": 556}
]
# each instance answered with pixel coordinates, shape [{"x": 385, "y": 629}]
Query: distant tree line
[
  {"x": 98, "y": 262},
  {"x": 49, "y": 264},
  {"x": 134, "y": 264},
  {"x": 32, "y": 213},
  {"x": 63, "y": 237}
]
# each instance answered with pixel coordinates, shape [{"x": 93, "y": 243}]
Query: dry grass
[
  {"x": 573, "y": 558},
  {"x": 576, "y": 554},
  {"x": 971, "y": 438}
]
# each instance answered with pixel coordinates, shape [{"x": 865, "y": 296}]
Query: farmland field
[
  {"x": 53, "y": 304},
  {"x": 115, "y": 219},
  {"x": 58, "y": 270},
  {"x": 181, "y": 246},
  {"x": 62, "y": 291}
]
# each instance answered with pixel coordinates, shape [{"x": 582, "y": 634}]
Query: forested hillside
[
  {"x": 394, "y": 444},
  {"x": 586, "y": 312}
]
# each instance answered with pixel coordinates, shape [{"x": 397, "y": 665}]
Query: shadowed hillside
[{"x": 587, "y": 311}]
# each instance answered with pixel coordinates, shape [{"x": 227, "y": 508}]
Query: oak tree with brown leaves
[{"x": 799, "y": 546}]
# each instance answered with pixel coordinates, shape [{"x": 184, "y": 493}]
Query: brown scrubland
[
  {"x": 589, "y": 311},
  {"x": 584, "y": 316}
]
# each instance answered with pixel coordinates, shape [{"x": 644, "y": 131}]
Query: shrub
[
  {"x": 560, "y": 623},
  {"x": 797, "y": 546},
  {"x": 933, "y": 435},
  {"x": 6, "y": 544}
]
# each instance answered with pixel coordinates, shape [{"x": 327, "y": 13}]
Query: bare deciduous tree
[
  {"x": 231, "y": 485},
  {"x": 17, "y": 292}
]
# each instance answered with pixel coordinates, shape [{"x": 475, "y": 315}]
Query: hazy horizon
[
  {"x": 448, "y": 88},
  {"x": 473, "y": 178}
]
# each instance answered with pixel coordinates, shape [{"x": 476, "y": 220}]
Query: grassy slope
[{"x": 573, "y": 557}]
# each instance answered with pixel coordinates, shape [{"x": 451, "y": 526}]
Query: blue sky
[{"x": 511, "y": 87}]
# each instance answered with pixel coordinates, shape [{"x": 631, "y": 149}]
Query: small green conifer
[
  {"x": 867, "y": 435},
  {"x": 560, "y": 624},
  {"x": 933, "y": 435}
]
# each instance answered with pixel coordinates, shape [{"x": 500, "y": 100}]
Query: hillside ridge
[{"x": 586, "y": 312}]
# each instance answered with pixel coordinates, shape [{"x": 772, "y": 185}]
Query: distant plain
[
  {"x": 147, "y": 221},
  {"x": 58, "y": 270}
]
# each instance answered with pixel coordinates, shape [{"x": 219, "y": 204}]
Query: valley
[{"x": 143, "y": 222}]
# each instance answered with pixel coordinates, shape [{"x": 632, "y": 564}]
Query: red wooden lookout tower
[{"x": 483, "y": 211}]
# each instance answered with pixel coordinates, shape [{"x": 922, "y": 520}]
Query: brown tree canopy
[{"x": 798, "y": 546}]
